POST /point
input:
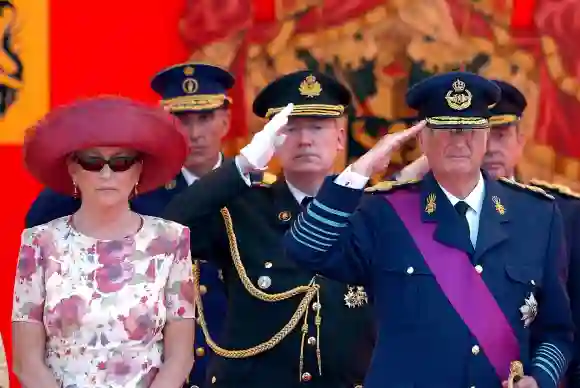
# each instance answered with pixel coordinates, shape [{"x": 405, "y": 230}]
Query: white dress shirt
[
  {"x": 190, "y": 177},
  {"x": 296, "y": 193},
  {"x": 475, "y": 201}
]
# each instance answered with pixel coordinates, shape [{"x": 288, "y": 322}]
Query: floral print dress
[{"x": 104, "y": 303}]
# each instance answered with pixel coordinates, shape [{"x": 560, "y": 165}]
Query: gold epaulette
[
  {"x": 560, "y": 189},
  {"x": 389, "y": 185},
  {"x": 266, "y": 179},
  {"x": 527, "y": 188}
]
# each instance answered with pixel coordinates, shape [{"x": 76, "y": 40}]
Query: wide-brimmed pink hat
[{"x": 107, "y": 121}]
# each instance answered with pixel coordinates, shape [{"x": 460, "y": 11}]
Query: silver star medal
[
  {"x": 355, "y": 298},
  {"x": 529, "y": 310}
]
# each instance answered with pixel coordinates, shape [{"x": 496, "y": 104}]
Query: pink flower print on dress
[
  {"x": 121, "y": 369},
  {"x": 161, "y": 245},
  {"x": 46, "y": 241},
  {"x": 114, "y": 251},
  {"x": 187, "y": 291},
  {"x": 116, "y": 270},
  {"x": 138, "y": 324},
  {"x": 113, "y": 277},
  {"x": 66, "y": 317},
  {"x": 27, "y": 263},
  {"x": 151, "y": 270}
]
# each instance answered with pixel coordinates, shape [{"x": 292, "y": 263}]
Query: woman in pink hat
[{"x": 105, "y": 297}]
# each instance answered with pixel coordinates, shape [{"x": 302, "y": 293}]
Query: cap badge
[
  {"x": 190, "y": 85},
  {"x": 188, "y": 71},
  {"x": 310, "y": 87},
  {"x": 459, "y": 98}
]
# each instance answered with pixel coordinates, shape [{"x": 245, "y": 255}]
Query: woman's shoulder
[
  {"x": 163, "y": 225},
  {"x": 53, "y": 227}
]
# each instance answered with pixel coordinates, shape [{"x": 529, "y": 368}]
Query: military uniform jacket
[
  {"x": 260, "y": 216},
  {"x": 449, "y": 315},
  {"x": 569, "y": 204},
  {"x": 50, "y": 205}
]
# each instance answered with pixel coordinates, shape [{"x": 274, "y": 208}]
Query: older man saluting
[{"x": 464, "y": 269}]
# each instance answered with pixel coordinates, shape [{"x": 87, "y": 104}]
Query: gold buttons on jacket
[
  {"x": 410, "y": 270},
  {"x": 312, "y": 341},
  {"x": 213, "y": 379},
  {"x": 267, "y": 264},
  {"x": 200, "y": 352},
  {"x": 475, "y": 350},
  {"x": 478, "y": 268},
  {"x": 306, "y": 377},
  {"x": 202, "y": 289}
]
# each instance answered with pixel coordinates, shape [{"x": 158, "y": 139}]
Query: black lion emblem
[{"x": 11, "y": 68}]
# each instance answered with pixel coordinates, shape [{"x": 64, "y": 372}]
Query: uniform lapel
[
  {"x": 493, "y": 219},
  {"x": 437, "y": 208}
]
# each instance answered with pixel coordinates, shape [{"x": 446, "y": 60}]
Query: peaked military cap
[
  {"x": 313, "y": 94},
  {"x": 193, "y": 87},
  {"x": 455, "y": 100},
  {"x": 510, "y": 107}
]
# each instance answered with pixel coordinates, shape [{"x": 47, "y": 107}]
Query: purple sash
[{"x": 462, "y": 285}]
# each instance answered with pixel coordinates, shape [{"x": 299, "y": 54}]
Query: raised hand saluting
[
  {"x": 257, "y": 154},
  {"x": 378, "y": 158}
]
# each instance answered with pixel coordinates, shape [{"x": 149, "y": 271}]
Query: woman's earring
[
  {"x": 135, "y": 190},
  {"x": 75, "y": 190}
]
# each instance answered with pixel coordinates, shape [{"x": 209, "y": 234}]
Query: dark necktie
[
  {"x": 461, "y": 208},
  {"x": 305, "y": 202}
]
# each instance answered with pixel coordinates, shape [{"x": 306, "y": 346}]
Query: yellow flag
[{"x": 24, "y": 66}]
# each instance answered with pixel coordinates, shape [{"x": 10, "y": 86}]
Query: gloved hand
[{"x": 261, "y": 149}]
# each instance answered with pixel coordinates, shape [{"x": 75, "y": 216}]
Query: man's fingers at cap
[{"x": 417, "y": 127}]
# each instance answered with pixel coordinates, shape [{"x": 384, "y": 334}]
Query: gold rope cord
[{"x": 310, "y": 292}]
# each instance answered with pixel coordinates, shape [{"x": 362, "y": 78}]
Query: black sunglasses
[{"x": 97, "y": 163}]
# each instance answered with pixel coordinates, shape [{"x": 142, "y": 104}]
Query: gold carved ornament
[
  {"x": 516, "y": 373},
  {"x": 311, "y": 291}
]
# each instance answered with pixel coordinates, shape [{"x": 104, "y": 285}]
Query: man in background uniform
[
  {"x": 196, "y": 95},
  {"x": 286, "y": 327},
  {"x": 504, "y": 150}
]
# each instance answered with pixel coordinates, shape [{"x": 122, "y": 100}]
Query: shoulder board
[
  {"x": 385, "y": 186},
  {"x": 560, "y": 189},
  {"x": 528, "y": 188},
  {"x": 263, "y": 179}
]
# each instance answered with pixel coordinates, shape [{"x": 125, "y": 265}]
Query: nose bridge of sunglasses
[{"x": 106, "y": 171}]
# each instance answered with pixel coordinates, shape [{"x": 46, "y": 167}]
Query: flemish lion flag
[{"x": 24, "y": 73}]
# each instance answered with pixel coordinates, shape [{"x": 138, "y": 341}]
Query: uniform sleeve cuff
[
  {"x": 543, "y": 378},
  {"x": 245, "y": 177},
  {"x": 342, "y": 198},
  {"x": 548, "y": 365},
  {"x": 349, "y": 178}
]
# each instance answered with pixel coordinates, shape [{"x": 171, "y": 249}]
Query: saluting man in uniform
[
  {"x": 286, "y": 327},
  {"x": 465, "y": 269},
  {"x": 196, "y": 94},
  {"x": 504, "y": 150}
]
